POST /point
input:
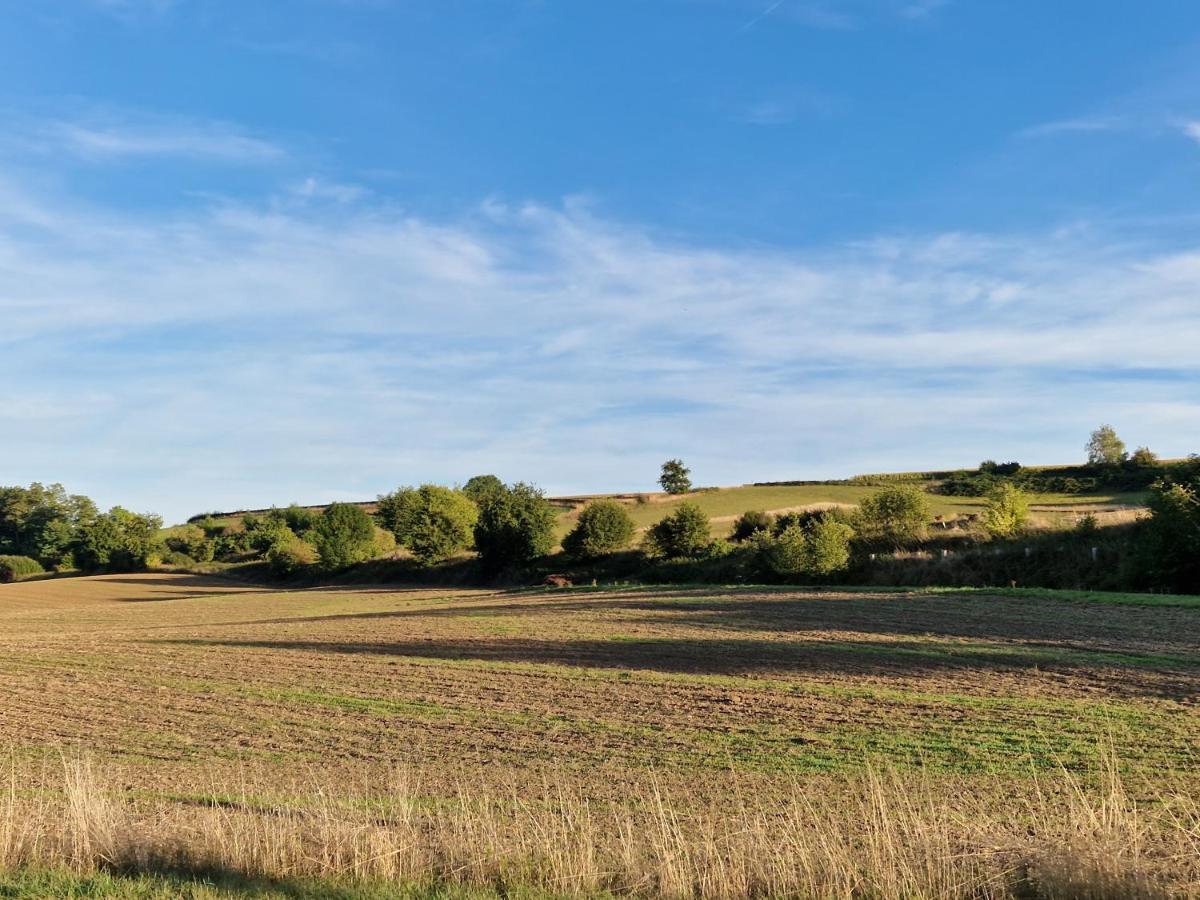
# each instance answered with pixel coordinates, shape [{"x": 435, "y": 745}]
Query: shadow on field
[
  {"x": 733, "y": 656},
  {"x": 181, "y": 587},
  {"x": 1053, "y": 624}
]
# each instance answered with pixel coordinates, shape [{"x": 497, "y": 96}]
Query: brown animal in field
[{"x": 558, "y": 581}]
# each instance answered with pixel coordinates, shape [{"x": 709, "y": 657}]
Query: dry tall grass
[{"x": 885, "y": 835}]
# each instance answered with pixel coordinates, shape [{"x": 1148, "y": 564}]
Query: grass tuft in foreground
[{"x": 883, "y": 835}]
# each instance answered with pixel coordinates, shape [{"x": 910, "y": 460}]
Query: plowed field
[{"x": 169, "y": 677}]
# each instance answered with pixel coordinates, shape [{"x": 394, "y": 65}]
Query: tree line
[{"x": 509, "y": 526}]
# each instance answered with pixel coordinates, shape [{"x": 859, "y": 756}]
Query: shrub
[
  {"x": 822, "y": 547},
  {"x": 290, "y": 554},
  {"x": 1144, "y": 456},
  {"x": 434, "y": 522},
  {"x": 231, "y": 544},
  {"x": 1087, "y": 526},
  {"x": 1007, "y": 512},
  {"x": 441, "y": 523},
  {"x": 343, "y": 535},
  {"x": 749, "y": 522},
  {"x": 787, "y": 552},
  {"x": 604, "y": 526},
  {"x": 894, "y": 515},
  {"x": 192, "y": 541},
  {"x": 14, "y": 568},
  {"x": 829, "y": 545},
  {"x": 515, "y": 525},
  {"x": 991, "y": 467},
  {"x": 684, "y": 534},
  {"x": 385, "y": 542},
  {"x": 299, "y": 518},
  {"x": 263, "y": 532},
  {"x": 674, "y": 478},
  {"x": 1168, "y": 546},
  {"x": 178, "y": 559}
]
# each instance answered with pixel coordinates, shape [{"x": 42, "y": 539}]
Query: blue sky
[{"x": 256, "y": 252}]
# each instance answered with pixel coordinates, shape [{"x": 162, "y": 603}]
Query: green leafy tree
[
  {"x": 1168, "y": 546},
  {"x": 828, "y": 546},
  {"x": 398, "y": 512},
  {"x": 820, "y": 547},
  {"x": 894, "y": 515},
  {"x": 515, "y": 526},
  {"x": 604, "y": 526},
  {"x": 263, "y": 532},
  {"x": 1104, "y": 448},
  {"x": 674, "y": 478},
  {"x": 1006, "y": 514},
  {"x": 119, "y": 541},
  {"x": 684, "y": 534},
  {"x": 434, "y": 522},
  {"x": 42, "y": 522},
  {"x": 344, "y": 535},
  {"x": 750, "y": 522},
  {"x": 480, "y": 487}
]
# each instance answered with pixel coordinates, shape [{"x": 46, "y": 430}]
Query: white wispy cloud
[
  {"x": 1192, "y": 130},
  {"x": 246, "y": 354},
  {"x": 101, "y": 136},
  {"x": 1082, "y": 124},
  {"x": 182, "y": 139}
]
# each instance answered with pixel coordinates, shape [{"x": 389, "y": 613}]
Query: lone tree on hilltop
[
  {"x": 1104, "y": 448},
  {"x": 674, "y": 478}
]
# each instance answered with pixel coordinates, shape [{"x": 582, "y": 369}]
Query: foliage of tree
[
  {"x": 43, "y": 522},
  {"x": 829, "y": 545},
  {"x": 675, "y": 477},
  {"x": 291, "y": 553},
  {"x": 479, "y": 487},
  {"x": 119, "y": 541},
  {"x": 299, "y": 518},
  {"x": 515, "y": 526},
  {"x": 263, "y": 532},
  {"x": 385, "y": 542},
  {"x": 432, "y": 521},
  {"x": 991, "y": 467},
  {"x": 1169, "y": 542},
  {"x": 750, "y": 522},
  {"x": 1144, "y": 456},
  {"x": 344, "y": 535},
  {"x": 820, "y": 547},
  {"x": 398, "y": 513},
  {"x": 895, "y": 515},
  {"x": 684, "y": 534},
  {"x": 1006, "y": 513},
  {"x": 1104, "y": 448},
  {"x": 604, "y": 526},
  {"x": 192, "y": 541}
]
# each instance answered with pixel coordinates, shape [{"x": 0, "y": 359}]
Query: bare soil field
[
  {"x": 168, "y": 672},
  {"x": 180, "y": 688}
]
